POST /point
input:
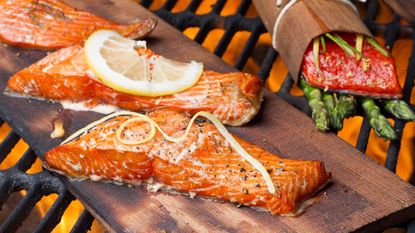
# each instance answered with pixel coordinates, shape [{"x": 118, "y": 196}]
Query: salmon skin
[
  {"x": 50, "y": 24},
  {"x": 204, "y": 163},
  {"x": 235, "y": 98},
  {"x": 374, "y": 75}
]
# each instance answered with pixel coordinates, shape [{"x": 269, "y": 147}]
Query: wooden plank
[{"x": 364, "y": 196}]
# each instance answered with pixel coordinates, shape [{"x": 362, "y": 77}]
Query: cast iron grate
[
  {"x": 36, "y": 185},
  {"x": 43, "y": 183}
]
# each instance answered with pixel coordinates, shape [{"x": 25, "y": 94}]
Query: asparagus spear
[
  {"x": 319, "y": 113},
  {"x": 346, "y": 106},
  {"x": 377, "y": 121},
  {"x": 339, "y": 108},
  {"x": 399, "y": 109},
  {"x": 330, "y": 102}
]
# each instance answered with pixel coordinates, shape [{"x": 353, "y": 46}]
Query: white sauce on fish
[
  {"x": 154, "y": 187},
  {"x": 81, "y": 106},
  {"x": 95, "y": 177}
]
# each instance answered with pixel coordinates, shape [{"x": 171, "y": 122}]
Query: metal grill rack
[
  {"x": 37, "y": 185},
  {"x": 42, "y": 184}
]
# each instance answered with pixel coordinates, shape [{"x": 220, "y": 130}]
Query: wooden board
[{"x": 364, "y": 196}]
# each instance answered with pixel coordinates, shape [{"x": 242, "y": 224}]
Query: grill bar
[
  {"x": 26, "y": 161},
  {"x": 84, "y": 223},
  {"x": 250, "y": 45},
  {"x": 392, "y": 158},
  {"x": 364, "y": 134},
  {"x": 21, "y": 212},
  {"x": 193, "y": 5},
  {"x": 54, "y": 214},
  {"x": 266, "y": 64},
  {"x": 7, "y": 145},
  {"x": 217, "y": 8}
]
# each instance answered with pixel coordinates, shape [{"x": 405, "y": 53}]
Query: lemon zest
[
  {"x": 216, "y": 122},
  {"x": 95, "y": 123},
  {"x": 128, "y": 122}
]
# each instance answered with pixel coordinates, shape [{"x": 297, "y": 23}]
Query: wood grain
[{"x": 364, "y": 196}]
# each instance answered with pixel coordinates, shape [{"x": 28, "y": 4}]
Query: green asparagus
[
  {"x": 330, "y": 102},
  {"x": 346, "y": 106},
  {"x": 377, "y": 121},
  {"x": 319, "y": 113},
  {"x": 399, "y": 109},
  {"x": 339, "y": 108}
]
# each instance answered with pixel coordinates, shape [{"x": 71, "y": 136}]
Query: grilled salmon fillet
[
  {"x": 203, "y": 164},
  {"x": 235, "y": 98},
  {"x": 50, "y": 24}
]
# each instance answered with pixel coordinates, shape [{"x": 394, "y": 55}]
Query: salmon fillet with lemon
[
  {"x": 205, "y": 163},
  {"x": 234, "y": 98},
  {"x": 50, "y": 24}
]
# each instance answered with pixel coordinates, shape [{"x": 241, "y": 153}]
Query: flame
[{"x": 377, "y": 148}]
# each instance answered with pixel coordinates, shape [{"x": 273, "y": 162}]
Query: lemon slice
[{"x": 128, "y": 66}]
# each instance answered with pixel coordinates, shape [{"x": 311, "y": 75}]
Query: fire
[{"x": 377, "y": 148}]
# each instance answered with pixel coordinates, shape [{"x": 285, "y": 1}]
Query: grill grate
[
  {"x": 37, "y": 185},
  {"x": 43, "y": 183}
]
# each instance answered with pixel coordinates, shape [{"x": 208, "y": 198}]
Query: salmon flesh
[
  {"x": 373, "y": 75},
  {"x": 204, "y": 163},
  {"x": 234, "y": 98},
  {"x": 50, "y": 24}
]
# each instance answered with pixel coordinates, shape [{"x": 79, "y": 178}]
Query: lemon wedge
[{"x": 128, "y": 66}]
